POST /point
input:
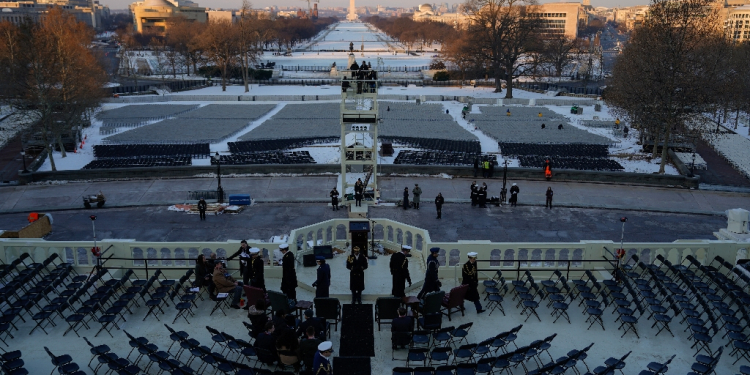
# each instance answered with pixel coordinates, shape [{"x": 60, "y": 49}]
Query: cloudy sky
[{"x": 123, "y": 4}]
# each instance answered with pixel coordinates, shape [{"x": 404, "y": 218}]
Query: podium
[{"x": 358, "y": 231}]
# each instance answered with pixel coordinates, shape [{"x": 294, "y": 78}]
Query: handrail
[{"x": 518, "y": 269}]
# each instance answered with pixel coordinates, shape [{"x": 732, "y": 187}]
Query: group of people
[
  {"x": 360, "y": 73},
  {"x": 416, "y": 197},
  {"x": 486, "y": 165},
  {"x": 479, "y": 195}
]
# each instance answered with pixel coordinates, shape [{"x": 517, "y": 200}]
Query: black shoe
[
  {"x": 236, "y": 307},
  {"x": 481, "y": 311}
]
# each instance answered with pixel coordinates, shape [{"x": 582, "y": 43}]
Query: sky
[{"x": 123, "y": 4}]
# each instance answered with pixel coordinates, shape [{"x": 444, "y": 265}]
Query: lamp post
[
  {"x": 219, "y": 190},
  {"x": 23, "y": 157},
  {"x": 505, "y": 179},
  {"x": 692, "y": 166}
]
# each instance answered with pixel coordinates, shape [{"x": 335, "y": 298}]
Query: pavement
[
  {"x": 312, "y": 189},
  {"x": 137, "y": 210}
]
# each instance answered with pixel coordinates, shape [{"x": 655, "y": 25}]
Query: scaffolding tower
[{"x": 359, "y": 130}]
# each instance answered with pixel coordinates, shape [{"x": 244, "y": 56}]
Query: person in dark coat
[
  {"x": 470, "y": 277},
  {"x": 318, "y": 325},
  {"x": 399, "y": 265},
  {"x": 431, "y": 282},
  {"x": 356, "y": 263},
  {"x": 308, "y": 346},
  {"x": 323, "y": 281},
  {"x": 256, "y": 269},
  {"x": 474, "y": 195},
  {"x": 476, "y": 166},
  {"x": 335, "y": 199},
  {"x": 358, "y": 191},
  {"x": 202, "y": 208},
  {"x": 514, "y": 190},
  {"x": 548, "y": 194},
  {"x": 482, "y": 196},
  {"x": 492, "y": 169},
  {"x": 244, "y": 253},
  {"x": 203, "y": 271},
  {"x": 439, "y": 205},
  {"x": 403, "y": 324},
  {"x": 266, "y": 342},
  {"x": 321, "y": 362},
  {"x": 405, "y": 201},
  {"x": 288, "y": 273}
]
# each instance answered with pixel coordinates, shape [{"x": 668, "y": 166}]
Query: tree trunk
[
  {"x": 656, "y": 143},
  {"x": 224, "y": 78},
  {"x": 508, "y": 82},
  {"x": 664, "y": 150},
  {"x": 49, "y": 150},
  {"x": 62, "y": 148}
]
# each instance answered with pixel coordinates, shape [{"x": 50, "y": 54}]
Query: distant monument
[{"x": 352, "y": 16}]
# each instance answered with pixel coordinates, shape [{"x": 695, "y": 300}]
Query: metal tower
[{"x": 359, "y": 130}]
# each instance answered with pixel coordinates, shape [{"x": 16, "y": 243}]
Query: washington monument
[{"x": 352, "y": 16}]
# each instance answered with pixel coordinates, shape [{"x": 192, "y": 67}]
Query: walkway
[{"x": 133, "y": 193}]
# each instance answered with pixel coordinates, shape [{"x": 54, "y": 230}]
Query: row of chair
[
  {"x": 564, "y": 162},
  {"x": 569, "y": 149},
  {"x": 279, "y": 144},
  {"x": 439, "y": 158},
  {"x": 138, "y": 163},
  {"x": 144, "y": 151}
]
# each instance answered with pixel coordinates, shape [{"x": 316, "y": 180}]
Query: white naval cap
[
  {"x": 284, "y": 246},
  {"x": 406, "y": 247},
  {"x": 254, "y": 250},
  {"x": 325, "y": 345},
  {"x": 472, "y": 254}
]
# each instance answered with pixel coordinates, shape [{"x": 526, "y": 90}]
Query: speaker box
[{"x": 308, "y": 260}]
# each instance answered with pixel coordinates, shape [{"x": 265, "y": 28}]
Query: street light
[
  {"x": 692, "y": 166},
  {"x": 219, "y": 190},
  {"x": 23, "y": 157}
]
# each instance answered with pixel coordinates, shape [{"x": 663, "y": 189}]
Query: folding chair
[
  {"x": 663, "y": 320},
  {"x": 328, "y": 309},
  {"x": 402, "y": 371},
  {"x": 417, "y": 355},
  {"x": 595, "y": 316},
  {"x": 706, "y": 364},
  {"x": 461, "y": 333},
  {"x": 441, "y": 354},
  {"x": 430, "y": 322},
  {"x": 657, "y": 368},
  {"x": 464, "y": 353},
  {"x": 96, "y": 351},
  {"x": 553, "y": 279},
  {"x": 617, "y": 364},
  {"x": 530, "y": 307},
  {"x": 64, "y": 363},
  {"x": 386, "y": 308},
  {"x": 495, "y": 302},
  {"x": 741, "y": 349},
  {"x": 221, "y": 302},
  {"x": 483, "y": 348}
]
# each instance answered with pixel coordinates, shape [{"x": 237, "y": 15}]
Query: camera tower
[{"x": 359, "y": 131}]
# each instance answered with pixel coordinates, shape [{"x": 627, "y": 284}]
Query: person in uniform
[
  {"x": 202, "y": 208},
  {"x": 400, "y": 271},
  {"x": 244, "y": 253},
  {"x": 431, "y": 282},
  {"x": 474, "y": 195},
  {"x": 323, "y": 281},
  {"x": 321, "y": 363},
  {"x": 257, "y": 279},
  {"x": 335, "y": 199},
  {"x": 405, "y": 201},
  {"x": 417, "y": 192},
  {"x": 470, "y": 277},
  {"x": 288, "y": 273},
  {"x": 548, "y": 195},
  {"x": 482, "y": 196},
  {"x": 439, "y": 205},
  {"x": 356, "y": 263}
]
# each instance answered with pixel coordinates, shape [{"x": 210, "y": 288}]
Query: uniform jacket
[
  {"x": 324, "y": 275},
  {"x": 417, "y": 192},
  {"x": 400, "y": 266},
  {"x": 470, "y": 277},
  {"x": 439, "y": 201},
  {"x": 256, "y": 269},
  {"x": 288, "y": 273},
  {"x": 321, "y": 365},
  {"x": 201, "y": 205},
  {"x": 357, "y": 266}
]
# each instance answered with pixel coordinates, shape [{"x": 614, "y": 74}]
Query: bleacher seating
[
  {"x": 144, "y": 151},
  {"x": 138, "y": 163}
]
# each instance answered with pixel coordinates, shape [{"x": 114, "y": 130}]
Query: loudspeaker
[
  {"x": 324, "y": 251},
  {"x": 308, "y": 260}
]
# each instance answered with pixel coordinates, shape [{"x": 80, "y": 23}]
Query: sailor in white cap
[
  {"x": 257, "y": 279},
  {"x": 514, "y": 190},
  {"x": 400, "y": 271},
  {"x": 321, "y": 362},
  {"x": 288, "y": 273},
  {"x": 471, "y": 278}
]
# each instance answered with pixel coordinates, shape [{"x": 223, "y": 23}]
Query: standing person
[
  {"x": 358, "y": 190},
  {"x": 470, "y": 277},
  {"x": 321, "y": 363},
  {"x": 439, "y": 205},
  {"x": 288, "y": 273},
  {"x": 334, "y": 199},
  {"x": 202, "y": 208},
  {"x": 431, "y": 282},
  {"x": 202, "y": 269},
  {"x": 399, "y": 265},
  {"x": 244, "y": 253},
  {"x": 549, "y": 194},
  {"x": 514, "y": 190},
  {"x": 491, "y": 171},
  {"x": 356, "y": 263},
  {"x": 417, "y": 192},
  {"x": 308, "y": 346},
  {"x": 323, "y": 281},
  {"x": 405, "y": 201},
  {"x": 476, "y": 166},
  {"x": 485, "y": 168},
  {"x": 474, "y": 195},
  {"x": 256, "y": 269},
  {"x": 482, "y": 196}
]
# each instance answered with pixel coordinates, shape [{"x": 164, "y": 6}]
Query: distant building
[
  {"x": 222, "y": 15},
  {"x": 737, "y": 24},
  {"x": 556, "y": 18},
  {"x": 153, "y": 15},
  {"x": 89, "y": 12}
]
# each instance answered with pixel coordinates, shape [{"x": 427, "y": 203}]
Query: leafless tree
[{"x": 670, "y": 72}]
